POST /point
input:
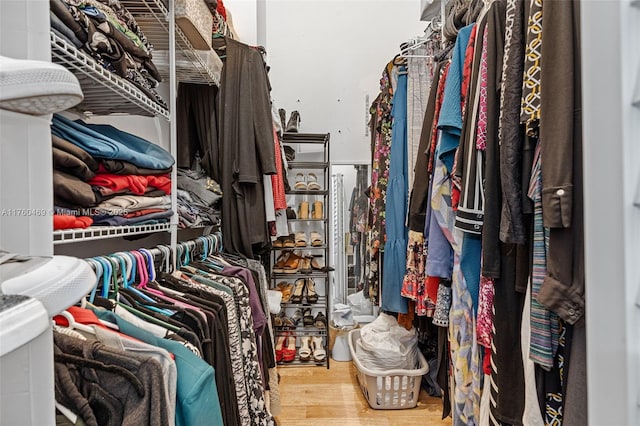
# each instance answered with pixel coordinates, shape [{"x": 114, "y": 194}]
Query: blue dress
[{"x": 395, "y": 248}]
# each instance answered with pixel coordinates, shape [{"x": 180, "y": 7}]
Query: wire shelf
[
  {"x": 307, "y": 165},
  {"x": 112, "y": 94},
  {"x": 192, "y": 66},
  {"x": 304, "y": 304},
  {"x": 306, "y": 192},
  {"x": 103, "y": 232},
  {"x": 280, "y": 276},
  {"x": 321, "y": 138},
  {"x": 322, "y": 247},
  {"x": 301, "y": 330}
]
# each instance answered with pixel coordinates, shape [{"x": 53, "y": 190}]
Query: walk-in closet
[{"x": 358, "y": 212}]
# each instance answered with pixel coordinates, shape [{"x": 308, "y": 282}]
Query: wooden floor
[{"x": 315, "y": 396}]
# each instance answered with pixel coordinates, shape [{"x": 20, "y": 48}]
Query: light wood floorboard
[{"x": 315, "y": 396}]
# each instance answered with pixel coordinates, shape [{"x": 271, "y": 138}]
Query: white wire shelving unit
[
  {"x": 102, "y": 232},
  {"x": 104, "y": 92},
  {"x": 192, "y": 66}
]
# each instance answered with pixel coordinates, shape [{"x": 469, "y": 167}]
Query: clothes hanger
[
  {"x": 150, "y": 263},
  {"x": 122, "y": 265},
  {"x": 73, "y": 325},
  {"x": 106, "y": 278},
  {"x": 97, "y": 267},
  {"x": 114, "y": 278},
  {"x": 168, "y": 259}
]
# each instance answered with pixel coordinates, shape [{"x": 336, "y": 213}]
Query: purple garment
[{"x": 259, "y": 318}]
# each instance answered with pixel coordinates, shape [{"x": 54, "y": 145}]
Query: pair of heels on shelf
[
  {"x": 304, "y": 287},
  {"x": 311, "y": 346},
  {"x": 292, "y": 262},
  {"x": 316, "y": 210},
  {"x": 319, "y": 321},
  {"x": 293, "y": 293},
  {"x": 299, "y": 239},
  {"x": 286, "y": 348}
]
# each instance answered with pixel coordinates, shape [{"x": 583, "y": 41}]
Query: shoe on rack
[
  {"x": 305, "y": 264},
  {"x": 312, "y": 294},
  {"x": 312, "y": 182},
  {"x": 289, "y": 352},
  {"x": 278, "y": 242},
  {"x": 303, "y": 210},
  {"x": 292, "y": 265},
  {"x": 301, "y": 239},
  {"x": 301, "y": 183},
  {"x": 316, "y": 239},
  {"x": 58, "y": 281},
  {"x": 307, "y": 317},
  {"x": 317, "y": 346},
  {"x": 293, "y": 126},
  {"x": 286, "y": 289},
  {"x": 296, "y": 317},
  {"x": 291, "y": 214},
  {"x": 316, "y": 211},
  {"x": 289, "y": 153},
  {"x": 289, "y": 241},
  {"x": 37, "y": 87},
  {"x": 278, "y": 267},
  {"x": 298, "y": 291},
  {"x": 279, "y": 347},
  {"x": 319, "y": 265},
  {"x": 320, "y": 321},
  {"x": 305, "y": 348},
  {"x": 283, "y": 118}
]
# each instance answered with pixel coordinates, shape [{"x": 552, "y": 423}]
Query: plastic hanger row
[{"x": 126, "y": 268}]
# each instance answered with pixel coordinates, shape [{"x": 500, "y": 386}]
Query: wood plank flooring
[{"x": 315, "y": 396}]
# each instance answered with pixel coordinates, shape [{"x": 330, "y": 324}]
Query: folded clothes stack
[
  {"x": 107, "y": 177},
  {"x": 199, "y": 199},
  {"x": 110, "y": 34}
]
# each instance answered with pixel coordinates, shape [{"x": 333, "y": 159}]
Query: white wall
[
  {"x": 327, "y": 56},
  {"x": 612, "y": 224},
  {"x": 244, "y": 14}
]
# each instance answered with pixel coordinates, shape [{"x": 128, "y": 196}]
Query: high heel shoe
[
  {"x": 312, "y": 294},
  {"x": 289, "y": 353},
  {"x": 305, "y": 348},
  {"x": 278, "y": 267},
  {"x": 317, "y": 345},
  {"x": 292, "y": 265},
  {"x": 279, "y": 345},
  {"x": 305, "y": 264},
  {"x": 286, "y": 289},
  {"x": 298, "y": 291}
]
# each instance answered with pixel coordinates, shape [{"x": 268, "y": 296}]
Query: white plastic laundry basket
[{"x": 390, "y": 389}]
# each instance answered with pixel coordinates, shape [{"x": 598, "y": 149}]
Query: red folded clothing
[
  {"x": 64, "y": 221},
  {"x": 137, "y": 184}
]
